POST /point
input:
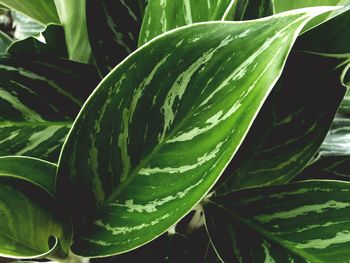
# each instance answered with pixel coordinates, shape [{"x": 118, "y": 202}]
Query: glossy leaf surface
[
  {"x": 162, "y": 16},
  {"x": 307, "y": 219},
  {"x": 141, "y": 130},
  {"x": 290, "y": 127},
  {"x": 113, "y": 28}
]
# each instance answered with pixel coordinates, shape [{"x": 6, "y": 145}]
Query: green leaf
[
  {"x": 236, "y": 242},
  {"x": 25, "y": 26},
  {"x": 54, "y": 46},
  {"x": 113, "y": 28},
  {"x": 36, "y": 171},
  {"x": 32, "y": 223},
  {"x": 283, "y": 5},
  {"x": 326, "y": 37},
  {"x": 5, "y": 42},
  {"x": 308, "y": 219},
  {"x": 73, "y": 18},
  {"x": 162, "y": 16},
  {"x": 39, "y": 98},
  {"x": 141, "y": 130},
  {"x": 241, "y": 10},
  {"x": 291, "y": 125},
  {"x": 43, "y": 11},
  {"x": 333, "y": 160},
  {"x": 345, "y": 105}
]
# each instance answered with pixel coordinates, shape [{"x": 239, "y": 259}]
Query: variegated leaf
[
  {"x": 235, "y": 241},
  {"x": 72, "y": 15},
  {"x": 345, "y": 105},
  {"x": 32, "y": 223},
  {"x": 43, "y": 11},
  {"x": 326, "y": 38},
  {"x": 291, "y": 125},
  {"x": 141, "y": 130},
  {"x": 241, "y": 10},
  {"x": 283, "y": 5},
  {"x": 113, "y": 28},
  {"x": 307, "y": 219},
  {"x": 164, "y": 15},
  {"x": 5, "y": 42},
  {"x": 36, "y": 171},
  {"x": 38, "y": 101},
  {"x": 333, "y": 160}
]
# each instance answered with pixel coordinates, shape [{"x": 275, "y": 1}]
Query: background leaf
[
  {"x": 73, "y": 18},
  {"x": 32, "y": 224},
  {"x": 39, "y": 99},
  {"x": 5, "y": 41},
  {"x": 291, "y": 125},
  {"x": 36, "y": 171},
  {"x": 308, "y": 219},
  {"x": 113, "y": 28},
  {"x": 54, "y": 46},
  {"x": 333, "y": 160},
  {"x": 162, "y": 16},
  {"x": 118, "y": 160},
  {"x": 240, "y": 10},
  {"x": 43, "y": 11}
]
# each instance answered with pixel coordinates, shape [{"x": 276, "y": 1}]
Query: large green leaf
[
  {"x": 307, "y": 219},
  {"x": 36, "y": 171},
  {"x": 32, "y": 224},
  {"x": 113, "y": 28},
  {"x": 39, "y": 98},
  {"x": 291, "y": 125},
  {"x": 142, "y": 129},
  {"x": 164, "y": 15},
  {"x": 43, "y": 11},
  {"x": 73, "y": 18}
]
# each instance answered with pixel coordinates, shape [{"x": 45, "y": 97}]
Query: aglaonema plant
[{"x": 176, "y": 131}]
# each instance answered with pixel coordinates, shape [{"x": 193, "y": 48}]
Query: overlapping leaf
[
  {"x": 5, "y": 41},
  {"x": 73, "y": 18},
  {"x": 54, "y": 46},
  {"x": 36, "y": 171},
  {"x": 291, "y": 125},
  {"x": 43, "y": 11},
  {"x": 307, "y": 220},
  {"x": 113, "y": 28},
  {"x": 240, "y": 10},
  {"x": 333, "y": 160},
  {"x": 31, "y": 222},
  {"x": 142, "y": 130},
  {"x": 162, "y": 16},
  {"x": 38, "y": 101}
]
